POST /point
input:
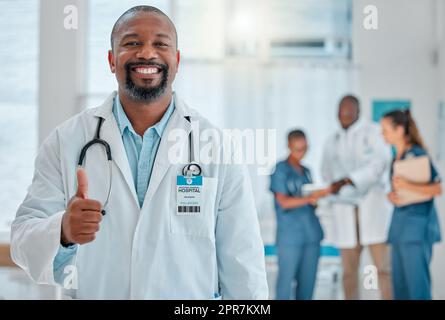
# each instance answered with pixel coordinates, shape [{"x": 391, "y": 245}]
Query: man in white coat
[
  {"x": 141, "y": 243},
  {"x": 356, "y": 161}
]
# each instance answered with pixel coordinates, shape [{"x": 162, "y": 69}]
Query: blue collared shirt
[{"x": 141, "y": 151}]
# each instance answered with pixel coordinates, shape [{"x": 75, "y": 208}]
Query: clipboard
[{"x": 415, "y": 170}]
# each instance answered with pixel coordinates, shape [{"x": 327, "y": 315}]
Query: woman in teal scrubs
[
  {"x": 298, "y": 230},
  {"x": 414, "y": 227}
]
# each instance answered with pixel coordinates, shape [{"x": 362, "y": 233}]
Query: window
[
  {"x": 303, "y": 28},
  {"x": 18, "y": 102}
]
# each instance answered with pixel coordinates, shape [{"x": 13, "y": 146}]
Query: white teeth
[{"x": 146, "y": 70}]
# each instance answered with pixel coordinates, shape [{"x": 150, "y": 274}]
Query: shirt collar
[
  {"x": 123, "y": 122},
  {"x": 352, "y": 128}
]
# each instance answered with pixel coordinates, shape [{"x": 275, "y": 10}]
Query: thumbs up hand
[{"x": 80, "y": 222}]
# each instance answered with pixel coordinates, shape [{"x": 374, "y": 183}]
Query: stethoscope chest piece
[{"x": 191, "y": 169}]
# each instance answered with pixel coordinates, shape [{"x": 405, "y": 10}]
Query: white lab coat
[
  {"x": 361, "y": 154},
  {"x": 148, "y": 252}
]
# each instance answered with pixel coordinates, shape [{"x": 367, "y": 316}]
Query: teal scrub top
[
  {"x": 416, "y": 222},
  {"x": 297, "y": 225}
]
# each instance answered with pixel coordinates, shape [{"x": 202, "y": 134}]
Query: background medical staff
[
  {"x": 357, "y": 161},
  {"x": 298, "y": 230},
  {"x": 415, "y": 227}
]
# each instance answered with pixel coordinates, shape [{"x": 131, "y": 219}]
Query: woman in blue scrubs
[
  {"x": 299, "y": 232},
  {"x": 414, "y": 227}
]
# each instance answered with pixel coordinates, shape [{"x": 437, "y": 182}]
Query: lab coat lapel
[
  {"x": 111, "y": 134},
  {"x": 162, "y": 163},
  {"x": 346, "y": 144}
]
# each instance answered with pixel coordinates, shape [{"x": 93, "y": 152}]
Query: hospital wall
[{"x": 404, "y": 59}]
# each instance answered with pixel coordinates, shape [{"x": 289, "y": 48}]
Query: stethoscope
[{"x": 191, "y": 169}]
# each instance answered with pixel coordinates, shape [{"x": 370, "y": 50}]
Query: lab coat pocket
[{"x": 201, "y": 224}]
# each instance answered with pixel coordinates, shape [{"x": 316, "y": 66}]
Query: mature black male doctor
[{"x": 146, "y": 246}]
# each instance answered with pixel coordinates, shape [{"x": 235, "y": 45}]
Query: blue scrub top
[
  {"x": 297, "y": 225},
  {"x": 416, "y": 222}
]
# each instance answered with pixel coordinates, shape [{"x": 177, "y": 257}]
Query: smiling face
[{"x": 144, "y": 58}]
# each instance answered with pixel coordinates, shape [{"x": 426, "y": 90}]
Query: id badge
[{"x": 188, "y": 195}]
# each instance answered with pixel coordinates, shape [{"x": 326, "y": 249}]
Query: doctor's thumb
[{"x": 82, "y": 184}]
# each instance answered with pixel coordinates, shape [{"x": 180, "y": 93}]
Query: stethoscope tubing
[{"x": 190, "y": 169}]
